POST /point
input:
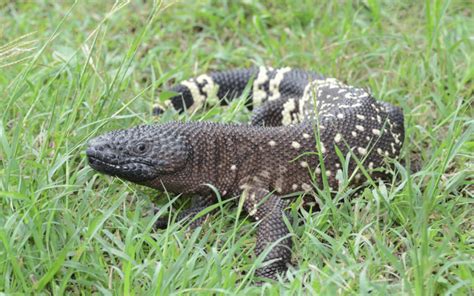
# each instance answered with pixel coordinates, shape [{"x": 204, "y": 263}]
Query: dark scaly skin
[{"x": 258, "y": 163}]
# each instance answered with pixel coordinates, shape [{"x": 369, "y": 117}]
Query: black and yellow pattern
[{"x": 305, "y": 128}]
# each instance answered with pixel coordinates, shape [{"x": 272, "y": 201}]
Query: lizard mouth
[{"x": 132, "y": 170}]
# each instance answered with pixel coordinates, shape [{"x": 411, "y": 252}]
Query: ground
[{"x": 70, "y": 71}]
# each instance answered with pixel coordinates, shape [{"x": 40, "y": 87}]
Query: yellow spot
[
  {"x": 288, "y": 107},
  {"x": 274, "y": 83},
  {"x": 376, "y": 132},
  {"x": 306, "y": 187},
  {"x": 323, "y": 149},
  {"x": 254, "y": 210},
  {"x": 295, "y": 145},
  {"x": 260, "y": 95},
  {"x": 245, "y": 187},
  {"x": 362, "y": 150}
]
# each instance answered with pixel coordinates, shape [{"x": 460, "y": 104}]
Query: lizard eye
[{"x": 140, "y": 148}]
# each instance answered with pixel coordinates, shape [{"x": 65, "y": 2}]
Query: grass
[{"x": 72, "y": 70}]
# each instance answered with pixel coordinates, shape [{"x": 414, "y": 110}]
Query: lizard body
[{"x": 275, "y": 156}]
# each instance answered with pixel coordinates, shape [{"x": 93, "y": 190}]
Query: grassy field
[{"x": 70, "y": 71}]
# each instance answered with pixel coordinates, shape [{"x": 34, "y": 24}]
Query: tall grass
[{"x": 72, "y": 70}]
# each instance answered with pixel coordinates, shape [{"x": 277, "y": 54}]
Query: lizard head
[{"x": 139, "y": 154}]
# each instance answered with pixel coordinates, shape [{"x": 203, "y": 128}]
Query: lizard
[{"x": 300, "y": 123}]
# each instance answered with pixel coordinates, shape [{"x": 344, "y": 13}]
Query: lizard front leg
[
  {"x": 198, "y": 204},
  {"x": 269, "y": 209}
]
